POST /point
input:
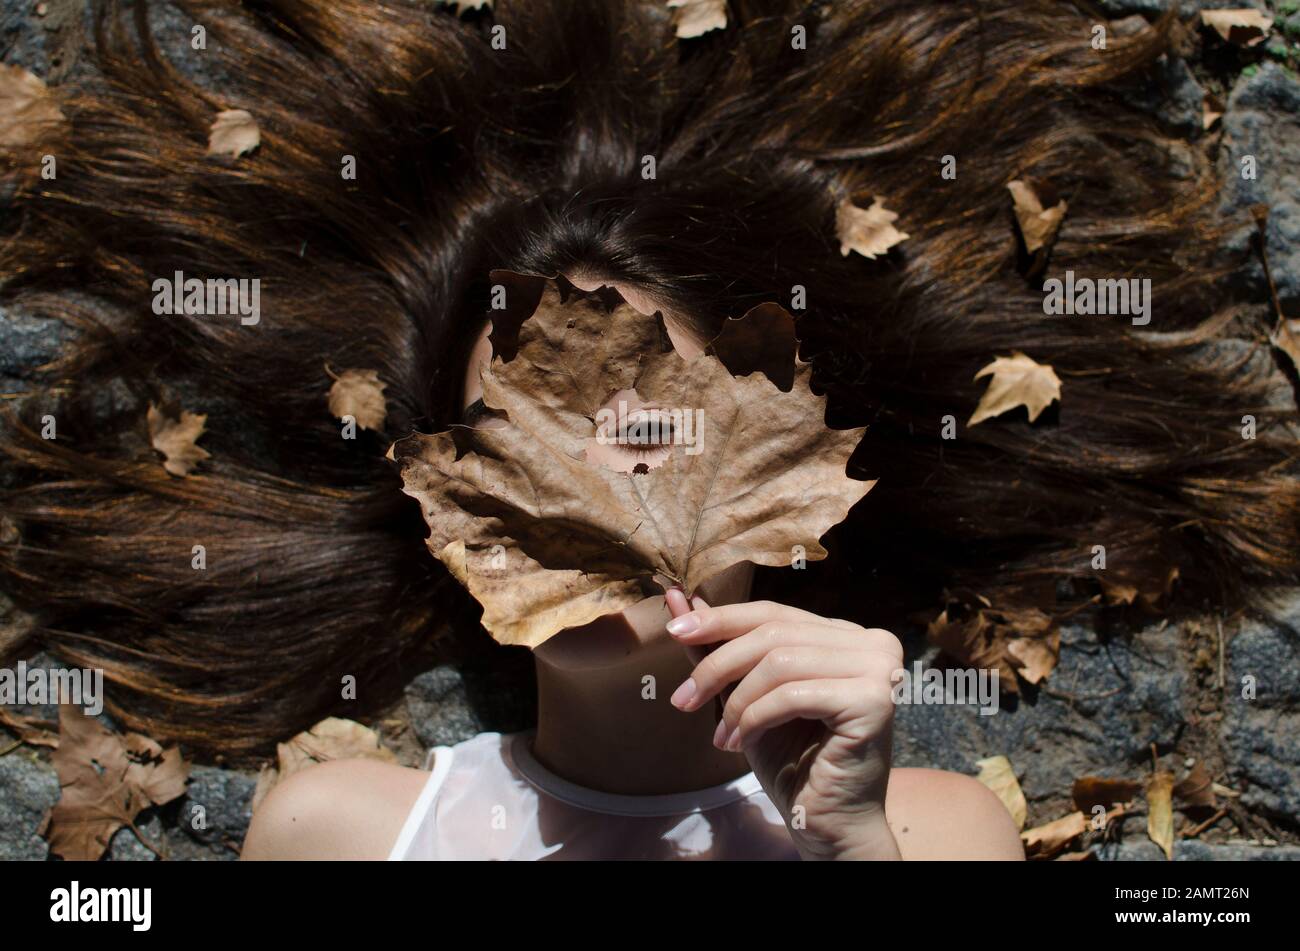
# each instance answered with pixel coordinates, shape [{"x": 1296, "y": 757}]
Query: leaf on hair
[
  {"x": 175, "y": 438},
  {"x": 1038, "y": 225},
  {"x": 233, "y": 133},
  {"x": 359, "y": 394},
  {"x": 1017, "y": 380},
  {"x": 868, "y": 231}
]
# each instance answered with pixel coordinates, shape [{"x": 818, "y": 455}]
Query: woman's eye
[{"x": 646, "y": 433}]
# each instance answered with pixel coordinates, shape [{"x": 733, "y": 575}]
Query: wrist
[{"x": 870, "y": 840}]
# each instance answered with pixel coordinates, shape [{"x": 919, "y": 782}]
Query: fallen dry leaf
[
  {"x": 1038, "y": 225},
  {"x": 1045, "y": 841},
  {"x": 1243, "y": 27},
  {"x": 234, "y": 132},
  {"x": 359, "y": 394},
  {"x": 868, "y": 231},
  {"x": 175, "y": 439},
  {"x": 106, "y": 779},
  {"x": 332, "y": 738},
  {"x": 1196, "y": 789},
  {"x": 996, "y": 773},
  {"x": 1126, "y": 584},
  {"x": 1160, "y": 812},
  {"x": 28, "y": 111},
  {"x": 1091, "y": 791},
  {"x": 1016, "y": 642},
  {"x": 697, "y": 17},
  {"x": 1017, "y": 381},
  {"x": 546, "y": 540}
]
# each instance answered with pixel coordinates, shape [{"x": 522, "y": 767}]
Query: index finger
[{"x": 707, "y": 625}]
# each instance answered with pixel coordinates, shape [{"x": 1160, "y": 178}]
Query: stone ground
[{"x": 1117, "y": 698}]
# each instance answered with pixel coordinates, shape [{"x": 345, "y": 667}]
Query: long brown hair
[{"x": 472, "y": 154}]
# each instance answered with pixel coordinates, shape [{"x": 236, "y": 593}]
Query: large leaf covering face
[{"x": 547, "y": 540}]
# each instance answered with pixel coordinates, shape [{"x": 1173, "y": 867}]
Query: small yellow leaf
[
  {"x": 175, "y": 439},
  {"x": 359, "y": 394},
  {"x": 1038, "y": 225},
  {"x": 996, "y": 773},
  {"x": 233, "y": 133},
  {"x": 1243, "y": 27},
  {"x": 1160, "y": 811},
  {"x": 697, "y": 17},
  {"x": 1017, "y": 381},
  {"x": 868, "y": 231}
]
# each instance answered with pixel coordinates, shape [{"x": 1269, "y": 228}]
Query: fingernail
[
  {"x": 684, "y": 624},
  {"x": 733, "y": 741},
  {"x": 720, "y": 733},
  {"x": 683, "y": 694}
]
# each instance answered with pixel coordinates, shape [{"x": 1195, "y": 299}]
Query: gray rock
[
  {"x": 1259, "y": 735},
  {"x": 216, "y": 810},
  {"x": 1152, "y": 7},
  {"x": 1174, "y": 98},
  {"x": 1109, "y": 702},
  {"x": 441, "y": 713},
  {"x": 1190, "y": 850},
  {"x": 125, "y": 846},
  {"x": 1263, "y": 120},
  {"x": 28, "y": 789},
  {"x": 26, "y": 342}
]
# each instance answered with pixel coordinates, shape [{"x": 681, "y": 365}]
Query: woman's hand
[{"x": 812, "y": 710}]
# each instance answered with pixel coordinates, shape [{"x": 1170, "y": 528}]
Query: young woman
[
  {"x": 798, "y": 766},
  {"x": 405, "y": 150}
]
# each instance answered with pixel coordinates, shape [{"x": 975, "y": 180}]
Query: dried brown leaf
[
  {"x": 1196, "y": 790},
  {"x": 1160, "y": 811},
  {"x": 546, "y": 540},
  {"x": 1241, "y": 27},
  {"x": 234, "y": 133},
  {"x": 868, "y": 231},
  {"x": 28, "y": 110},
  {"x": 1015, "y": 642},
  {"x": 1092, "y": 791},
  {"x": 1043, "y": 842},
  {"x": 106, "y": 780},
  {"x": 330, "y": 739},
  {"x": 997, "y": 774},
  {"x": 1017, "y": 380},
  {"x": 175, "y": 439},
  {"x": 1038, "y": 225},
  {"x": 359, "y": 394}
]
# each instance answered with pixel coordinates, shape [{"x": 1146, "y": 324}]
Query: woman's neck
[{"x": 615, "y": 731}]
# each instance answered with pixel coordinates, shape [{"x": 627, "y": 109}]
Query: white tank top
[{"x": 488, "y": 798}]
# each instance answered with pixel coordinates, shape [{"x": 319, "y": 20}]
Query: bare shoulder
[
  {"x": 343, "y": 809},
  {"x": 935, "y": 814}
]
